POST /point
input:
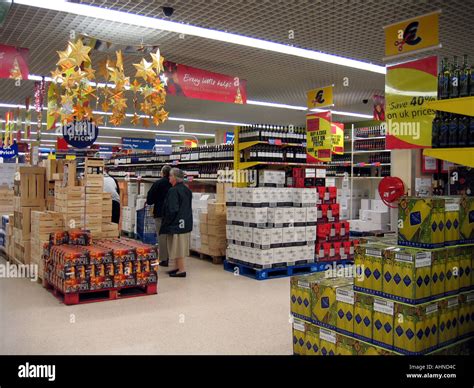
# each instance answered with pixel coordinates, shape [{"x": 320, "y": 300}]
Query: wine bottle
[
  {"x": 471, "y": 132},
  {"x": 435, "y": 130},
  {"x": 464, "y": 78},
  {"x": 444, "y": 131},
  {"x": 463, "y": 128},
  {"x": 453, "y": 131},
  {"x": 445, "y": 88},
  {"x": 455, "y": 73}
]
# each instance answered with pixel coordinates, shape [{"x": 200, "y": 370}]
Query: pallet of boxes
[
  {"x": 29, "y": 196},
  {"x": 6, "y": 213}
]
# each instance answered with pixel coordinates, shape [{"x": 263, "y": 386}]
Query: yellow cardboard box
[
  {"x": 438, "y": 272},
  {"x": 448, "y": 320},
  {"x": 416, "y": 328},
  {"x": 453, "y": 260},
  {"x": 345, "y": 346},
  {"x": 363, "y": 316},
  {"x": 421, "y": 222},
  {"x": 299, "y": 337},
  {"x": 465, "y": 269},
  {"x": 312, "y": 341},
  {"x": 466, "y": 220},
  {"x": 323, "y": 301},
  {"x": 327, "y": 342},
  {"x": 383, "y": 319},
  {"x": 345, "y": 310},
  {"x": 412, "y": 275},
  {"x": 451, "y": 225},
  {"x": 466, "y": 312}
]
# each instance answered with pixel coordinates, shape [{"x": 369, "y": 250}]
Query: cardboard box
[
  {"x": 214, "y": 209},
  {"x": 216, "y": 230},
  {"x": 323, "y": 301},
  {"x": 289, "y": 235},
  {"x": 363, "y": 316},
  {"x": 466, "y": 220},
  {"x": 448, "y": 318},
  {"x": 230, "y": 194},
  {"x": 203, "y": 228},
  {"x": 421, "y": 222},
  {"x": 299, "y": 337},
  {"x": 221, "y": 190},
  {"x": 327, "y": 342},
  {"x": 413, "y": 267},
  {"x": 311, "y": 215},
  {"x": 466, "y": 309},
  {"x": 275, "y": 216},
  {"x": 288, "y": 215},
  {"x": 416, "y": 328},
  {"x": 22, "y": 220},
  {"x": 346, "y": 346},
  {"x": 54, "y": 168},
  {"x": 272, "y": 177},
  {"x": 454, "y": 255},
  {"x": 377, "y": 217},
  {"x": 465, "y": 267},
  {"x": 230, "y": 232},
  {"x": 276, "y": 236},
  {"x": 383, "y": 322},
  {"x": 262, "y": 237},
  {"x": 257, "y": 215},
  {"x": 31, "y": 188},
  {"x": 345, "y": 300},
  {"x": 451, "y": 223}
]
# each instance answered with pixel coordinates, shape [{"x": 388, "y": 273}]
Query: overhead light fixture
[
  {"x": 276, "y": 105},
  {"x": 207, "y": 33},
  {"x": 350, "y": 114}
]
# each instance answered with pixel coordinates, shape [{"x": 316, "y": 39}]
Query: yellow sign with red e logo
[
  {"x": 320, "y": 98},
  {"x": 412, "y": 35}
]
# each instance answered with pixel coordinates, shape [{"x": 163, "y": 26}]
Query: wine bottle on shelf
[
  {"x": 455, "y": 75},
  {"x": 453, "y": 131},
  {"x": 464, "y": 78},
  {"x": 463, "y": 131},
  {"x": 445, "y": 80},
  {"x": 471, "y": 132},
  {"x": 444, "y": 131}
]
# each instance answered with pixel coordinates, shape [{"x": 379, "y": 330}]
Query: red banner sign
[
  {"x": 318, "y": 137},
  {"x": 204, "y": 85},
  {"x": 13, "y": 62}
]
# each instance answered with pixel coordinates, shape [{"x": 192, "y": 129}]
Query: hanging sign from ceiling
[
  {"x": 337, "y": 138},
  {"x": 191, "y": 82},
  {"x": 412, "y": 35},
  {"x": 320, "y": 98},
  {"x": 408, "y": 87},
  {"x": 80, "y": 134},
  {"x": 13, "y": 62},
  {"x": 318, "y": 137},
  {"x": 10, "y": 151}
]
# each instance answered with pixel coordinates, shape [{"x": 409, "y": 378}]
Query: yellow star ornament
[
  {"x": 144, "y": 69},
  {"x": 79, "y": 52},
  {"x": 158, "y": 61}
]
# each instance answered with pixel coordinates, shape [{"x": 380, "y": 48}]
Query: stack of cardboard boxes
[
  {"x": 54, "y": 172},
  {"x": 129, "y": 210},
  {"x": 43, "y": 223},
  {"x": 271, "y": 226},
  {"x": 6, "y": 212},
  {"x": 93, "y": 182},
  {"x": 200, "y": 202},
  {"x": 212, "y": 227},
  {"x": 30, "y": 195},
  {"x": 411, "y": 298}
]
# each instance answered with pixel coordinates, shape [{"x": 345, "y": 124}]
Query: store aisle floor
[{"x": 210, "y": 312}]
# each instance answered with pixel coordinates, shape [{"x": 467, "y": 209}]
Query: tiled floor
[{"x": 210, "y": 312}]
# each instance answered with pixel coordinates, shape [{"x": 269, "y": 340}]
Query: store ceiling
[{"x": 349, "y": 28}]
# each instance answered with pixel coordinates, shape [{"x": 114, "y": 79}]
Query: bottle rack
[{"x": 199, "y": 164}]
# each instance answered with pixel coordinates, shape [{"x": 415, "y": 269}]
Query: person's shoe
[
  {"x": 164, "y": 263},
  {"x": 172, "y": 272},
  {"x": 178, "y": 275}
]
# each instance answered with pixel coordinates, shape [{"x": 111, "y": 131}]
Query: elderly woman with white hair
[{"x": 177, "y": 221}]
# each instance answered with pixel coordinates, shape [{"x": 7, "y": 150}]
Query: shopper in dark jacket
[
  {"x": 178, "y": 221},
  {"x": 156, "y": 197}
]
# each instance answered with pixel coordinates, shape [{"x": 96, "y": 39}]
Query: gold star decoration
[
  {"x": 98, "y": 120},
  {"x": 79, "y": 52},
  {"x": 135, "y": 86},
  {"x": 135, "y": 119},
  {"x": 157, "y": 61},
  {"x": 144, "y": 69}
]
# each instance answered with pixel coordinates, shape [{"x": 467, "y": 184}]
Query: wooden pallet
[
  {"x": 83, "y": 297},
  {"x": 204, "y": 256}
]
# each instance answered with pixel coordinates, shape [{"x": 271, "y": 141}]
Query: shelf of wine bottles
[
  {"x": 369, "y": 145},
  {"x": 383, "y": 157},
  {"x": 258, "y": 132},
  {"x": 201, "y": 154},
  {"x": 451, "y": 130},
  {"x": 272, "y": 153},
  {"x": 369, "y": 132}
]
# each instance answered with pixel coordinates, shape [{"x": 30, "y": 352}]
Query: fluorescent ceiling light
[
  {"x": 276, "y": 105},
  {"x": 164, "y": 25},
  {"x": 350, "y": 114}
]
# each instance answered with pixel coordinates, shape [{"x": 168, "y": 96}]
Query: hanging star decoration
[{"x": 75, "y": 76}]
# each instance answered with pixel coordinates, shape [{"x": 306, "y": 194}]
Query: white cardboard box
[
  {"x": 300, "y": 215},
  {"x": 300, "y": 234},
  {"x": 262, "y": 236},
  {"x": 247, "y": 234},
  {"x": 365, "y": 204},
  {"x": 377, "y": 217},
  {"x": 289, "y": 235},
  {"x": 276, "y": 235},
  {"x": 311, "y": 214},
  {"x": 310, "y": 232},
  {"x": 238, "y": 233},
  {"x": 230, "y": 194},
  {"x": 378, "y": 205},
  {"x": 257, "y": 215},
  {"x": 288, "y": 215},
  {"x": 275, "y": 215},
  {"x": 229, "y": 230},
  {"x": 271, "y": 177}
]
